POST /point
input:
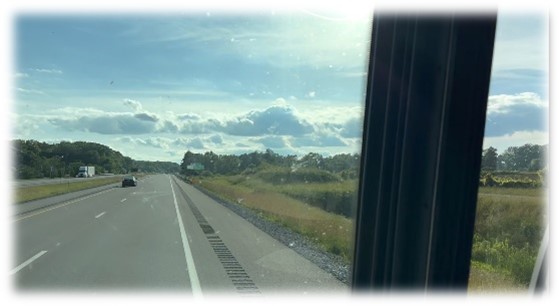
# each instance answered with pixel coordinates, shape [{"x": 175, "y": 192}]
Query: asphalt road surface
[
  {"x": 161, "y": 235},
  {"x": 52, "y": 181}
]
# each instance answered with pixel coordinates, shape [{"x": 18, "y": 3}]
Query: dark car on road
[{"x": 129, "y": 181}]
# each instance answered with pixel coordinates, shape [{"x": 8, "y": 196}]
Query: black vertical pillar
[{"x": 427, "y": 92}]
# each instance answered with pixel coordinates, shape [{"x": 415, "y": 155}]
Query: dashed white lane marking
[
  {"x": 122, "y": 201},
  {"x": 99, "y": 215},
  {"x": 193, "y": 275},
  {"x": 27, "y": 262},
  {"x": 47, "y": 209}
]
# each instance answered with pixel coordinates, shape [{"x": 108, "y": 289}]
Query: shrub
[
  {"x": 543, "y": 174},
  {"x": 517, "y": 262},
  {"x": 349, "y": 174},
  {"x": 301, "y": 175},
  {"x": 508, "y": 231},
  {"x": 517, "y": 219},
  {"x": 331, "y": 200},
  {"x": 489, "y": 179}
]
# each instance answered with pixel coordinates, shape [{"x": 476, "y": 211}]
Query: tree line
[
  {"x": 346, "y": 165},
  {"x": 528, "y": 157},
  {"x": 34, "y": 159}
]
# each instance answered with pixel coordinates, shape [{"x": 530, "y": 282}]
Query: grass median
[{"x": 30, "y": 193}]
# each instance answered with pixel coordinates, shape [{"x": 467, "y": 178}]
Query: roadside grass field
[
  {"x": 333, "y": 232},
  {"x": 526, "y": 192},
  {"x": 485, "y": 279},
  {"x": 30, "y": 193},
  {"x": 508, "y": 230},
  {"x": 510, "y": 223}
]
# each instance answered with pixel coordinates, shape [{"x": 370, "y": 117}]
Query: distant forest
[
  {"x": 36, "y": 159},
  {"x": 528, "y": 157},
  {"x": 345, "y": 165}
]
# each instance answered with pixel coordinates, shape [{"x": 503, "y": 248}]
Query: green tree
[
  {"x": 209, "y": 161},
  {"x": 489, "y": 159},
  {"x": 520, "y": 158},
  {"x": 312, "y": 160},
  {"x": 38, "y": 159},
  {"x": 188, "y": 159},
  {"x": 227, "y": 164}
]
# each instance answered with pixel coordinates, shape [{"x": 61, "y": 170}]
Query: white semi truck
[{"x": 86, "y": 171}]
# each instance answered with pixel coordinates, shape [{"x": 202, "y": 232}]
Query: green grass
[
  {"x": 516, "y": 218},
  {"x": 527, "y": 192},
  {"x": 333, "y": 232},
  {"x": 508, "y": 231},
  {"x": 486, "y": 279},
  {"x": 338, "y": 197},
  {"x": 30, "y": 193}
]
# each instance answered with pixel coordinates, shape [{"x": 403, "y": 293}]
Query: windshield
[
  {"x": 207, "y": 152},
  {"x": 244, "y": 132}
]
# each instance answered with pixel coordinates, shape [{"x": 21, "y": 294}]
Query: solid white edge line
[
  {"x": 193, "y": 275},
  {"x": 99, "y": 215},
  {"x": 27, "y": 262}
]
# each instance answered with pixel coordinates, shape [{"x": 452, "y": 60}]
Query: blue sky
[
  {"x": 518, "y": 105},
  {"x": 154, "y": 86}
]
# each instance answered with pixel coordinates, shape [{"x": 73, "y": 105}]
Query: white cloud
[
  {"x": 151, "y": 148},
  {"x": 272, "y": 142},
  {"x": 21, "y": 75},
  {"x": 279, "y": 126},
  {"x": 158, "y": 142},
  {"x": 507, "y": 114},
  {"x": 105, "y": 124},
  {"x": 352, "y": 128},
  {"x": 274, "y": 120},
  {"x": 168, "y": 126},
  {"x": 29, "y": 91},
  {"x": 199, "y": 126},
  {"x": 189, "y": 116},
  {"x": 320, "y": 139},
  {"x": 216, "y": 139},
  {"x": 329, "y": 114},
  {"x": 73, "y": 112},
  {"x": 26, "y": 126},
  {"x": 189, "y": 143},
  {"x": 280, "y": 102},
  {"x": 51, "y": 71},
  {"x": 516, "y": 139},
  {"x": 147, "y": 117},
  {"x": 504, "y": 103},
  {"x": 135, "y": 105}
]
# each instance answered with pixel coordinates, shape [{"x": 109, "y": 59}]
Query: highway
[
  {"x": 161, "y": 235},
  {"x": 52, "y": 181}
]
